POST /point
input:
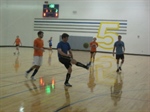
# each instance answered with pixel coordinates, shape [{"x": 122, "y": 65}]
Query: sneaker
[
  {"x": 120, "y": 68},
  {"x": 88, "y": 65},
  {"x": 67, "y": 84},
  {"x": 26, "y": 74},
  {"x": 33, "y": 79},
  {"x": 117, "y": 70}
]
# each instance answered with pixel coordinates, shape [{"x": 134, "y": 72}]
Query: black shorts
[
  {"x": 119, "y": 56},
  {"x": 66, "y": 61},
  {"x": 17, "y": 45},
  {"x": 92, "y": 52}
]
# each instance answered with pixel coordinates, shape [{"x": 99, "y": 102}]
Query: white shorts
[{"x": 37, "y": 60}]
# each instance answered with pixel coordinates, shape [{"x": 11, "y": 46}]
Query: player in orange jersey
[
  {"x": 17, "y": 43},
  {"x": 38, "y": 55},
  {"x": 93, "y": 46}
]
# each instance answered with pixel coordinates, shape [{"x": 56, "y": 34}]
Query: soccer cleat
[
  {"x": 33, "y": 79},
  {"x": 117, "y": 70},
  {"x": 67, "y": 84},
  {"x": 26, "y": 74},
  {"x": 120, "y": 68}
]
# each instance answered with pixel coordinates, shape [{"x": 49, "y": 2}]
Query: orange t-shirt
[
  {"x": 17, "y": 41},
  {"x": 38, "y": 42},
  {"x": 93, "y": 46}
]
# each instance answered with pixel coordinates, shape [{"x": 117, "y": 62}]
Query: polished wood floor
[{"x": 99, "y": 89}]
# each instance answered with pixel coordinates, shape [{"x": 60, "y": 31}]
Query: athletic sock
[
  {"x": 29, "y": 70},
  {"x": 81, "y": 65},
  {"x": 35, "y": 71},
  {"x": 67, "y": 77}
]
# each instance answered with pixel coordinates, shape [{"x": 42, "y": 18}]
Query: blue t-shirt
[
  {"x": 119, "y": 45},
  {"x": 64, "y": 46},
  {"x": 50, "y": 42}
]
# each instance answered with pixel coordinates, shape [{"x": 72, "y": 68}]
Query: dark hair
[
  {"x": 64, "y": 35},
  {"x": 119, "y": 36},
  {"x": 40, "y": 32}
]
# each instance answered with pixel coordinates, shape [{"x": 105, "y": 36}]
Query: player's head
[
  {"x": 119, "y": 37},
  {"x": 94, "y": 38},
  {"x": 17, "y": 36},
  {"x": 64, "y": 36},
  {"x": 40, "y": 34}
]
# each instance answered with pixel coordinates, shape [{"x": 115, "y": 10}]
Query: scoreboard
[{"x": 51, "y": 10}]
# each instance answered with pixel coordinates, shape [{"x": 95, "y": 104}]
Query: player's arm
[
  {"x": 20, "y": 42},
  {"x": 96, "y": 44},
  {"x": 123, "y": 48},
  {"x": 46, "y": 48},
  {"x": 114, "y": 50},
  {"x": 37, "y": 48},
  {"x": 70, "y": 52},
  {"x": 62, "y": 53},
  {"x": 90, "y": 44}
]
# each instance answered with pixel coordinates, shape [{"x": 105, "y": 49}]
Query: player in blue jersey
[
  {"x": 65, "y": 56},
  {"x": 50, "y": 43},
  {"x": 120, "y": 49}
]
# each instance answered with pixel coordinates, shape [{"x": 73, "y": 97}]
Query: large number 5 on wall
[{"x": 106, "y": 34}]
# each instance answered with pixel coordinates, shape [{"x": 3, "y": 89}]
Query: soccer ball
[{"x": 86, "y": 45}]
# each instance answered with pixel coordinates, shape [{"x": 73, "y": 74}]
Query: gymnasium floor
[{"x": 99, "y": 89}]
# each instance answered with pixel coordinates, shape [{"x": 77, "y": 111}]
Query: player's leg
[
  {"x": 73, "y": 61},
  {"x": 94, "y": 56},
  {"x": 68, "y": 75},
  {"x": 34, "y": 67},
  {"x": 34, "y": 72},
  {"x": 117, "y": 59},
  {"x": 28, "y": 71},
  {"x": 15, "y": 49},
  {"x": 91, "y": 57},
  {"x": 38, "y": 63},
  {"x": 68, "y": 66},
  {"x": 117, "y": 65},
  {"x": 18, "y": 49},
  {"x": 50, "y": 47},
  {"x": 122, "y": 61}
]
